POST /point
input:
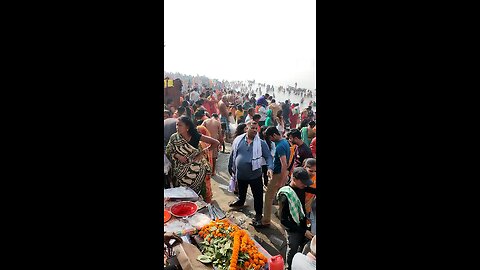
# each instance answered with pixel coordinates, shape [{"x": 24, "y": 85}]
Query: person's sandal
[
  {"x": 258, "y": 224},
  {"x": 236, "y": 204}
]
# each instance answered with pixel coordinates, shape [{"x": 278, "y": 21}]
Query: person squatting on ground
[{"x": 292, "y": 211}]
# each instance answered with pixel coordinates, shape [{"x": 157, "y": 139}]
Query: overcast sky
[{"x": 269, "y": 41}]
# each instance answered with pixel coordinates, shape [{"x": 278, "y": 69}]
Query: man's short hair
[
  {"x": 215, "y": 115},
  {"x": 271, "y": 131},
  {"x": 251, "y": 122},
  {"x": 256, "y": 116},
  {"x": 309, "y": 162},
  {"x": 295, "y": 133}
]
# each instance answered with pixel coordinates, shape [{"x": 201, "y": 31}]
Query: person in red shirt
[{"x": 313, "y": 147}]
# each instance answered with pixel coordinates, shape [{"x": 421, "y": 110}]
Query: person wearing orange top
[
  {"x": 210, "y": 105},
  {"x": 209, "y": 155},
  {"x": 239, "y": 115},
  {"x": 310, "y": 164}
]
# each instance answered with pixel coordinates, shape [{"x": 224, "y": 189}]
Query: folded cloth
[
  {"x": 257, "y": 153},
  {"x": 294, "y": 203}
]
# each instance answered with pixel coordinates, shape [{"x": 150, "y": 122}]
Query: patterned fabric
[
  {"x": 294, "y": 203},
  {"x": 293, "y": 148},
  {"x": 309, "y": 197},
  {"x": 191, "y": 174},
  {"x": 209, "y": 156}
]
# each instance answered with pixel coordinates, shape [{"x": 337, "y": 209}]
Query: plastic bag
[
  {"x": 167, "y": 165},
  {"x": 231, "y": 186}
]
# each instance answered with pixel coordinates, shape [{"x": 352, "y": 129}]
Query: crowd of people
[{"x": 273, "y": 148}]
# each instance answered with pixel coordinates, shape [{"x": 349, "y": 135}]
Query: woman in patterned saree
[{"x": 190, "y": 167}]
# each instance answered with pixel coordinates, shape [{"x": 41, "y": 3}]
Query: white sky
[{"x": 269, "y": 41}]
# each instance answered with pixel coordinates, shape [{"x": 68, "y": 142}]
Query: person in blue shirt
[
  {"x": 245, "y": 164},
  {"x": 278, "y": 175}
]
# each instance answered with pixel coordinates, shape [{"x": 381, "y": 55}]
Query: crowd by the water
[{"x": 273, "y": 146}]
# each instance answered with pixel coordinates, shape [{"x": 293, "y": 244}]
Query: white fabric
[
  {"x": 194, "y": 96},
  {"x": 166, "y": 164},
  {"x": 263, "y": 113},
  {"x": 303, "y": 262},
  {"x": 257, "y": 153},
  {"x": 272, "y": 151},
  {"x": 280, "y": 128}
]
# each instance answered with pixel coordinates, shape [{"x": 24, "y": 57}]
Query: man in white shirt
[
  {"x": 263, "y": 115},
  {"x": 194, "y": 96}
]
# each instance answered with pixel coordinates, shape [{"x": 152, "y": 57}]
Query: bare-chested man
[
  {"x": 223, "y": 109},
  {"x": 215, "y": 128},
  {"x": 275, "y": 108}
]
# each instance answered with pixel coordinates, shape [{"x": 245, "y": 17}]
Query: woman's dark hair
[
  {"x": 262, "y": 130},
  {"x": 295, "y": 133},
  {"x": 267, "y": 140},
  {"x": 271, "y": 131},
  {"x": 304, "y": 123},
  {"x": 312, "y": 124},
  {"x": 240, "y": 130},
  {"x": 309, "y": 162},
  {"x": 192, "y": 130},
  {"x": 279, "y": 113},
  {"x": 239, "y": 107},
  {"x": 187, "y": 108}
]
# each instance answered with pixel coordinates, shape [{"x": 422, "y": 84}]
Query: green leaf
[{"x": 204, "y": 259}]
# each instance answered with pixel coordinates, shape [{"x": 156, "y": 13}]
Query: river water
[{"x": 281, "y": 96}]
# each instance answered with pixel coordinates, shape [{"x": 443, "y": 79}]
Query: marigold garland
[
  {"x": 236, "y": 247},
  {"x": 242, "y": 244}
]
